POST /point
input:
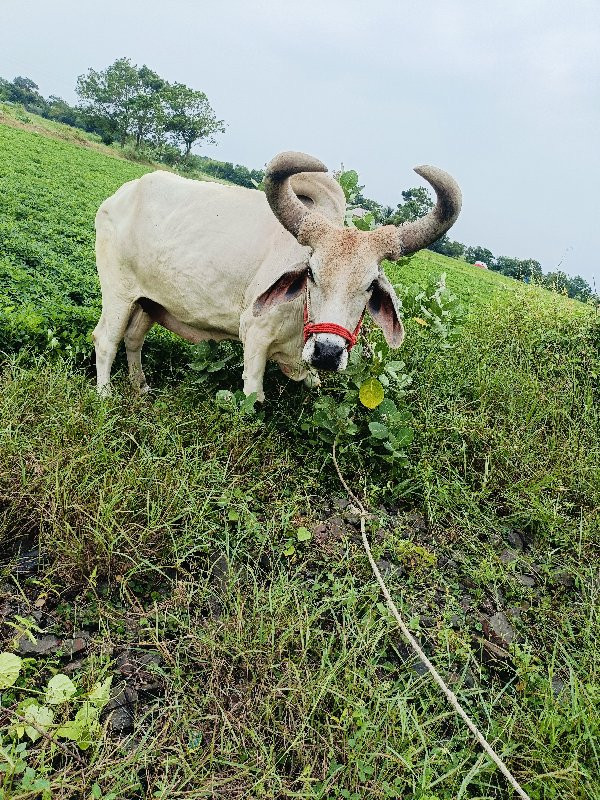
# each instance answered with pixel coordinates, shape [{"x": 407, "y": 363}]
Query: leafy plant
[
  {"x": 435, "y": 307},
  {"x": 31, "y": 718}
]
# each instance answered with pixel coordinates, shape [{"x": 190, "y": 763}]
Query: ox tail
[{"x": 161, "y": 316}]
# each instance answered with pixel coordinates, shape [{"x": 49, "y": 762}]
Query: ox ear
[
  {"x": 383, "y": 306},
  {"x": 288, "y": 287}
]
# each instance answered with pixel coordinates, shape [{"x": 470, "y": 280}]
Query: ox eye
[
  {"x": 310, "y": 275},
  {"x": 372, "y": 286}
]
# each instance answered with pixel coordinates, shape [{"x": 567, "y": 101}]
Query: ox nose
[{"x": 327, "y": 356}]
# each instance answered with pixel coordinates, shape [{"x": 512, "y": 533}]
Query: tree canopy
[{"x": 126, "y": 102}]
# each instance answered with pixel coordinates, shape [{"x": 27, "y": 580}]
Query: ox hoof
[
  {"x": 105, "y": 391},
  {"x": 145, "y": 389},
  {"x": 312, "y": 380}
]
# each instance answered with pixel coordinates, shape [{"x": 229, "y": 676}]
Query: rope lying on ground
[{"x": 453, "y": 700}]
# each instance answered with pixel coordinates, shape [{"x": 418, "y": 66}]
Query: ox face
[
  {"x": 342, "y": 276},
  {"x": 341, "y": 279}
]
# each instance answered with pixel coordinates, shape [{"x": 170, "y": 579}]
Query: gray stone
[
  {"x": 340, "y": 502},
  {"x": 120, "y": 709},
  {"x": 516, "y": 540},
  {"x": 526, "y": 580},
  {"x": 385, "y": 566},
  {"x": 564, "y": 579},
  {"x": 336, "y": 526},
  {"x": 498, "y": 629},
  {"x": 41, "y": 647},
  {"x": 508, "y": 555}
]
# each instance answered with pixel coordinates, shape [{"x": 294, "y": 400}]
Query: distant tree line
[
  {"x": 133, "y": 106},
  {"x": 418, "y": 202},
  {"x": 129, "y": 105}
]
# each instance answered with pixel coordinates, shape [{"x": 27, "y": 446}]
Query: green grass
[{"x": 162, "y": 524}]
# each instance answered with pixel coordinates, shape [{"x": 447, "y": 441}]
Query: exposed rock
[
  {"x": 71, "y": 647},
  {"x": 526, "y": 580},
  {"x": 139, "y": 669},
  {"x": 491, "y": 651},
  {"x": 220, "y": 570},
  {"x": 498, "y": 629},
  {"x": 41, "y": 647},
  {"x": 336, "y": 527},
  {"x": 508, "y": 555},
  {"x": 415, "y": 521},
  {"x": 28, "y": 562},
  {"x": 466, "y": 603},
  {"x": 390, "y": 568},
  {"x": 465, "y": 680},
  {"x": 120, "y": 709},
  {"x": 340, "y": 503},
  {"x": 73, "y": 666},
  {"x": 564, "y": 579},
  {"x": 515, "y": 540},
  {"x": 385, "y": 567},
  {"x": 319, "y": 533}
]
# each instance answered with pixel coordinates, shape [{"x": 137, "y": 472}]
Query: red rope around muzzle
[{"x": 331, "y": 327}]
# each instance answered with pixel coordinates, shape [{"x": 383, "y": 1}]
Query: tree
[
  {"x": 123, "y": 100},
  {"x": 60, "y": 111},
  {"x": 557, "y": 281},
  {"x": 478, "y": 253},
  {"x": 530, "y": 269},
  {"x": 106, "y": 99},
  {"x": 25, "y": 91},
  {"x": 508, "y": 266},
  {"x": 189, "y": 117},
  {"x": 579, "y": 288},
  {"x": 448, "y": 247},
  {"x": 417, "y": 203},
  {"x": 146, "y": 106}
]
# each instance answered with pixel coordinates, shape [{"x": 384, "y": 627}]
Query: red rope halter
[{"x": 330, "y": 327}]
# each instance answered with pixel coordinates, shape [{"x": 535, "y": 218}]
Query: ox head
[{"x": 342, "y": 276}]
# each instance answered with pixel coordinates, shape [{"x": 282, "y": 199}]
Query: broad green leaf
[
  {"x": 371, "y": 393},
  {"x": 40, "y": 717},
  {"x": 401, "y": 437},
  {"x": 303, "y": 534},
  {"x": 100, "y": 694},
  {"x": 88, "y": 714},
  {"x": 378, "y": 430},
  {"x": 386, "y": 408},
  {"x": 83, "y": 728},
  {"x": 10, "y": 666},
  {"x": 224, "y": 398},
  {"x": 289, "y": 551},
  {"x": 60, "y": 688}
]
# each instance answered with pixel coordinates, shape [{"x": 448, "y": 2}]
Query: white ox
[{"x": 218, "y": 262}]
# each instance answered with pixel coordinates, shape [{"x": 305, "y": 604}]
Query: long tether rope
[{"x": 452, "y": 699}]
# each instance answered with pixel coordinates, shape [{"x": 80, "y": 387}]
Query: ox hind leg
[
  {"x": 107, "y": 335},
  {"x": 139, "y": 325}
]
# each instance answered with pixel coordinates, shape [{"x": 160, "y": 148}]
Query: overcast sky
[{"x": 503, "y": 94}]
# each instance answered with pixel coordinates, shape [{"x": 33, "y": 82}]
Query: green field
[{"x": 166, "y": 537}]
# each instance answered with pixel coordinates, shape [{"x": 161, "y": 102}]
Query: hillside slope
[
  {"x": 51, "y": 190},
  {"x": 207, "y": 561}
]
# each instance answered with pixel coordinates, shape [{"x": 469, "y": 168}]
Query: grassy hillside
[{"x": 161, "y": 543}]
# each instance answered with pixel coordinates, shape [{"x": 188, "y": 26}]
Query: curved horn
[
  {"x": 284, "y": 203},
  {"x": 413, "y": 236}
]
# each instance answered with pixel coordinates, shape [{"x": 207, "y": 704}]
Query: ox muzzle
[{"x": 327, "y": 345}]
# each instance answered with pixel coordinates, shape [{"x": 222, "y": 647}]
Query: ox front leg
[{"x": 255, "y": 360}]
